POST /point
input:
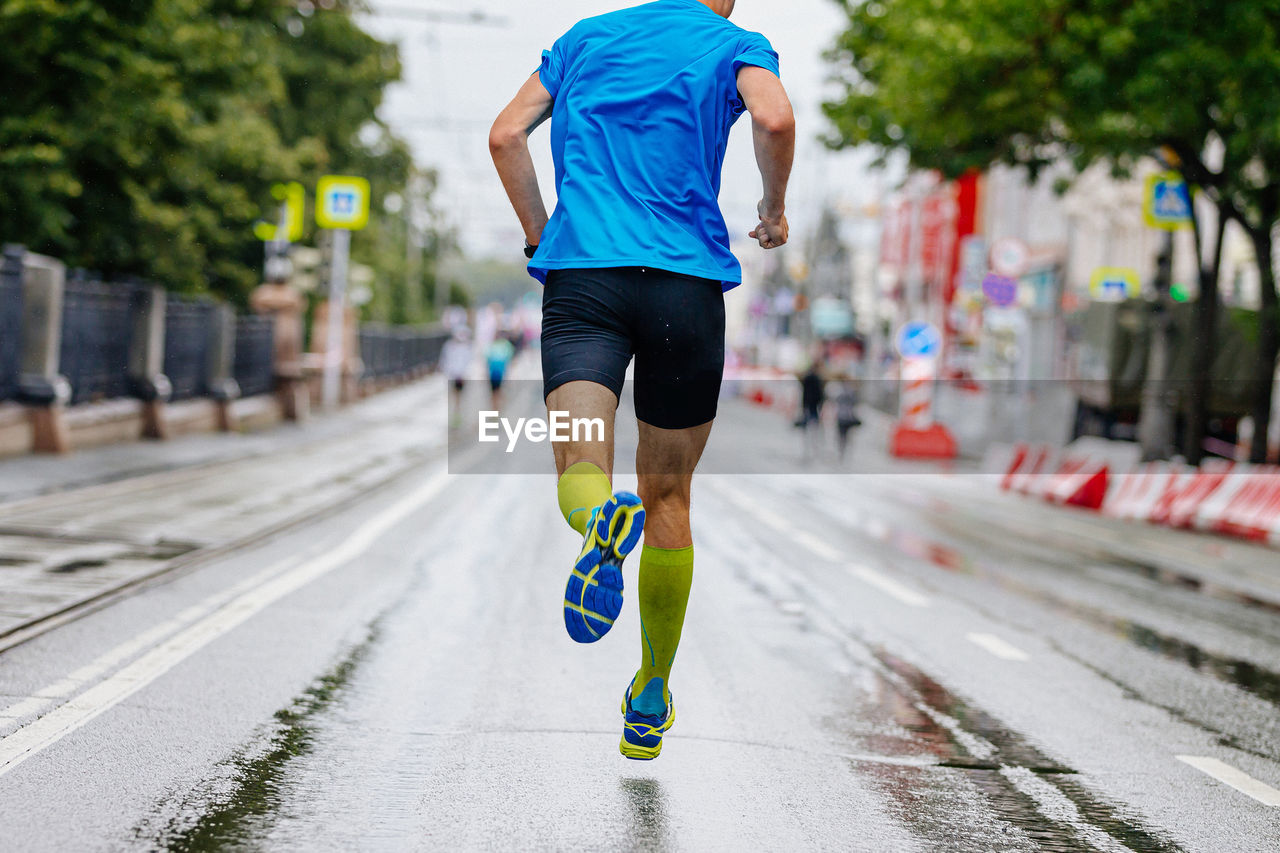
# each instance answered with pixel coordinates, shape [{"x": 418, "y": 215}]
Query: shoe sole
[{"x": 593, "y": 594}]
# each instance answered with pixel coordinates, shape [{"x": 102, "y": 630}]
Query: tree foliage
[
  {"x": 961, "y": 84},
  {"x": 141, "y": 137}
]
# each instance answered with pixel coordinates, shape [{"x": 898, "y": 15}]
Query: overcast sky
[{"x": 457, "y": 77}]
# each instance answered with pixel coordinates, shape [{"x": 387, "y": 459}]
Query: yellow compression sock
[
  {"x": 666, "y": 577},
  {"x": 582, "y": 488}
]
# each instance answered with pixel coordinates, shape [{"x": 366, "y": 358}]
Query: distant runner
[
  {"x": 498, "y": 357},
  {"x": 635, "y": 261},
  {"x": 455, "y": 361}
]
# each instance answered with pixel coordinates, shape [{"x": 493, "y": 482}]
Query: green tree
[
  {"x": 961, "y": 84},
  {"x": 141, "y": 137}
]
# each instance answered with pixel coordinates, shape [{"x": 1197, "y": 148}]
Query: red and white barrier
[
  {"x": 917, "y": 435},
  {"x": 1006, "y": 459},
  {"x": 1133, "y": 495},
  {"x": 1078, "y": 481},
  {"x": 1219, "y": 496},
  {"x": 1039, "y": 462},
  {"x": 1181, "y": 508},
  {"x": 1246, "y": 505}
]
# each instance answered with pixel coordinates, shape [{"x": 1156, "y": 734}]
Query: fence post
[
  {"x": 284, "y": 305},
  {"x": 40, "y": 386},
  {"x": 146, "y": 359},
  {"x": 222, "y": 352}
]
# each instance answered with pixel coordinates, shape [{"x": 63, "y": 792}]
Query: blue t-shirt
[{"x": 644, "y": 100}]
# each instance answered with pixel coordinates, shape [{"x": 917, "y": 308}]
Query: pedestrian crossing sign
[
  {"x": 1115, "y": 284},
  {"x": 342, "y": 201},
  {"x": 1167, "y": 202}
]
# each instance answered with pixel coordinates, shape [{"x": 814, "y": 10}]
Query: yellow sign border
[
  {"x": 1133, "y": 282},
  {"x": 1149, "y": 198},
  {"x": 323, "y": 186}
]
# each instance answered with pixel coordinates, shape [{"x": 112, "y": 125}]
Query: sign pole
[
  {"x": 342, "y": 205},
  {"x": 337, "y": 317}
]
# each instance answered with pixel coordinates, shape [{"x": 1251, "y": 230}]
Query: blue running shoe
[
  {"x": 642, "y": 733},
  {"x": 593, "y": 596}
]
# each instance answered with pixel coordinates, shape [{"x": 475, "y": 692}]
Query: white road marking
[
  {"x": 822, "y": 549},
  {"x": 998, "y": 647},
  {"x": 890, "y": 586},
  {"x": 57, "y": 724},
  {"x": 1057, "y": 807},
  {"x": 51, "y": 694},
  {"x": 978, "y": 747},
  {"x": 1238, "y": 779},
  {"x": 815, "y": 544}
]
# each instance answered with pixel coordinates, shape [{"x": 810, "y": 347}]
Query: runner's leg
[
  {"x": 679, "y": 366},
  {"x": 665, "y": 461},
  {"x": 585, "y": 466},
  {"x": 586, "y": 346}
]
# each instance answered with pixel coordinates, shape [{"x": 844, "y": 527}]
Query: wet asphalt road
[{"x": 862, "y": 669}]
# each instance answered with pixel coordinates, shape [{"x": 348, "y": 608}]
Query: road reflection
[{"x": 647, "y": 804}]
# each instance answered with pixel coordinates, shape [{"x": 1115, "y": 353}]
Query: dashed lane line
[
  {"x": 826, "y": 551},
  {"x": 1238, "y": 779},
  {"x": 67, "y": 718},
  {"x": 890, "y": 587},
  {"x": 998, "y": 647}
]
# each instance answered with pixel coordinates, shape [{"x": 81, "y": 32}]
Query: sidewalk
[
  {"x": 32, "y": 474},
  {"x": 79, "y": 528}
]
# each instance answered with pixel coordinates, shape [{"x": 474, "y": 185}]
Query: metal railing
[
  {"x": 108, "y": 340},
  {"x": 97, "y": 325},
  {"x": 188, "y": 340},
  {"x": 10, "y": 329},
  {"x": 254, "y": 368},
  {"x": 391, "y": 351}
]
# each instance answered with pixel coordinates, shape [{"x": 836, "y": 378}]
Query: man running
[{"x": 635, "y": 261}]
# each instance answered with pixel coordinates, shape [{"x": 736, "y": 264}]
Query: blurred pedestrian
[
  {"x": 813, "y": 395},
  {"x": 455, "y": 362},
  {"x": 498, "y": 357},
  {"x": 635, "y": 261},
  {"x": 846, "y": 413}
]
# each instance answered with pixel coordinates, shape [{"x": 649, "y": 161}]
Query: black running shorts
[{"x": 595, "y": 320}]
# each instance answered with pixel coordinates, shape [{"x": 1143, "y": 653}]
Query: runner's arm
[
  {"x": 773, "y": 125},
  {"x": 509, "y": 145}
]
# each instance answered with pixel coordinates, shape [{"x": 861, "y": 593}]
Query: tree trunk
[
  {"x": 1156, "y": 418},
  {"x": 1268, "y": 344},
  {"x": 1204, "y": 344}
]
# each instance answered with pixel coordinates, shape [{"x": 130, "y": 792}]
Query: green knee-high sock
[
  {"x": 582, "y": 488},
  {"x": 665, "y": 579}
]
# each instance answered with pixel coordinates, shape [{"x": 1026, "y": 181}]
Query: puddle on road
[
  {"x": 236, "y": 810},
  {"x": 987, "y": 787},
  {"x": 647, "y": 803},
  {"x": 1052, "y": 811}
]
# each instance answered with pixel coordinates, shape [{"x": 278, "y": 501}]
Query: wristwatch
[{"x": 529, "y": 250}]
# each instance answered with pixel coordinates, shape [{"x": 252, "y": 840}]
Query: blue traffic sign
[
  {"x": 918, "y": 340},
  {"x": 1167, "y": 201}
]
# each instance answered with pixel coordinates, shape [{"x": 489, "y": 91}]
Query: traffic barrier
[
  {"x": 1083, "y": 472},
  {"x": 1078, "y": 481},
  {"x": 1004, "y": 459},
  {"x": 1039, "y": 461},
  {"x": 1220, "y": 496},
  {"x": 1189, "y": 493},
  {"x": 1246, "y": 505},
  {"x": 917, "y": 435},
  {"x": 1133, "y": 495}
]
